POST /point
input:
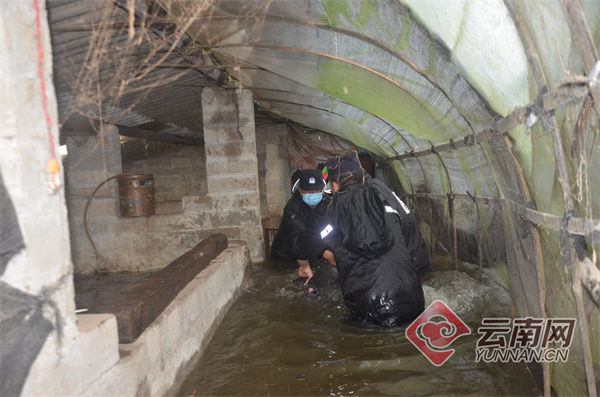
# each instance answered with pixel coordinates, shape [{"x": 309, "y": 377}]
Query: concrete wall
[
  {"x": 199, "y": 191},
  {"x": 179, "y": 171},
  {"x": 273, "y": 169},
  {"x": 132, "y": 244},
  {"x": 43, "y": 268}
]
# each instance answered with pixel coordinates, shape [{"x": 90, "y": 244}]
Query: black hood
[{"x": 363, "y": 228}]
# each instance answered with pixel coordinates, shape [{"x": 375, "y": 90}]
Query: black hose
[{"x": 87, "y": 233}]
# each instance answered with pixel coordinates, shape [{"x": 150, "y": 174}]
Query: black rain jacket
[
  {"x": 298, "y": 235},
  {"x": 374, "y": 249},
  {"x": 410, "y": 229}
]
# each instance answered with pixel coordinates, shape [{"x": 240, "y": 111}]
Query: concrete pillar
[
  {"x": 231, "y": 165},
  {"x": 273, "y": 173},
  {"x": 90, "y": 160},
  {"x": 277, "y": 175},
  {"x": 43, "y": 268}
]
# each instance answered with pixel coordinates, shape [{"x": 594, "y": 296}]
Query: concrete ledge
[
  {"x": 163, "y": 354},
  {"x": 93, "y": 352}
]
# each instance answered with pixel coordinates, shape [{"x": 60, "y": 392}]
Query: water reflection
[{"x": 275, "y": 340}]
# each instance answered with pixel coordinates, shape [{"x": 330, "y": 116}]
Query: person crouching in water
[
  {"x": 377, "y": 246},
  {"x": 298, "y": 236}
]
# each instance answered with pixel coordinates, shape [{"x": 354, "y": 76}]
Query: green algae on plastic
[
  {"x": 403, "y": 177},
  {"x": 374, "y": 94},
  {"x": 367, "y": 12}
]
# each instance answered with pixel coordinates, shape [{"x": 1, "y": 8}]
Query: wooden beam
[{"x": 151, "y": 135}]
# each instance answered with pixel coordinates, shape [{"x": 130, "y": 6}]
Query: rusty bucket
[{"x": 136, "y": 195}]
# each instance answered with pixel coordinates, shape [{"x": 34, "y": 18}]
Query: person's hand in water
[
  {"x": 304, "y": 270},
  {"x": 329, "y": 257}
]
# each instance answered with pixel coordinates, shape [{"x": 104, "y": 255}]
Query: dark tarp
[
  {"x": 24, "y": 330},
  {"x": 11, "y": 240}
]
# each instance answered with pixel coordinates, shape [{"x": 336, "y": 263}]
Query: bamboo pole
[
  {"x": 479, "y": 234},
  {"x": 570, "y": 91},
  {"x": 450, "y": 197},
  {"x": 585, "y": 44},
  {"x": 563, "y": 178}
]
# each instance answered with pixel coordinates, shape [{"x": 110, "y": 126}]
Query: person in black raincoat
[
  {"x": 298, "y": 236},
  {"x": 377, "y": 246}
]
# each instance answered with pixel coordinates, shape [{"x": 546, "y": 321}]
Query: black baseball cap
[{"x": 311, "y": 180}]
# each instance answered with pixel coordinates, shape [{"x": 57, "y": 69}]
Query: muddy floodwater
[{"x": 276, "y": 340}]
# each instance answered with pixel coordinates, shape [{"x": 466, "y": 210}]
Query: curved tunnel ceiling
[
  {"x": 367, "y": 63},
  {"x": 391, "y": 76}
]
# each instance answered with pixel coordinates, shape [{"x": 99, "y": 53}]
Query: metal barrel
[{"x": 136, "y": 195}]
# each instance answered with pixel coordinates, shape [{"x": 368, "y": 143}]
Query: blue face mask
[{"x": 312, "y": 199}]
